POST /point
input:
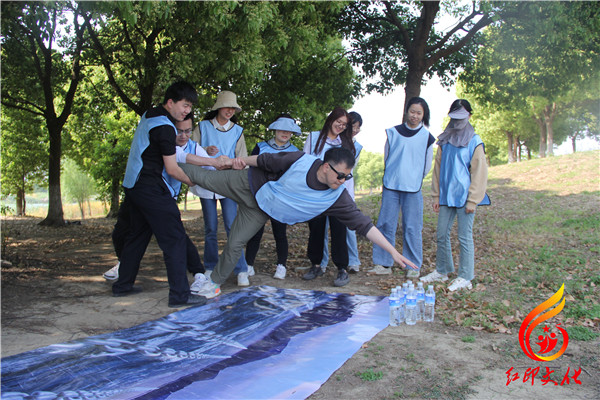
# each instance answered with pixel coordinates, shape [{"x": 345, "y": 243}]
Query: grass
[
  {"x": 541, "y": 231},
  {"x": 369, "y": 375}
]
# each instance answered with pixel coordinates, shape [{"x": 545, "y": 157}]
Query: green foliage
[
  {"x": 369, "y": 171},
  {"x": 398, "y": 43},
  {"x": 23, "y": 158},
  {"x": 525, "y": 72},
  {"x": 369, "y": 375},
  {"x": 468, "y": 339},
  {"x": 581, "y": 333},
  {"x": 77, "y": 185}
]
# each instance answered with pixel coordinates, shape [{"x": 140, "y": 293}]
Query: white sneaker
[
  {"x": 380, "y": 270},
  {"x": 413, "y": 273},
  {"x": 434, "y": 277},
  {"x": 209, "y": 290},
  {"x": 243, "y": 279},
  {"x": 199, "y": 281},
  {"x": 280, "y": 272},
  {"x": 251, "y": 270},
  {"x": 353, "y": 268},
  {"x": 113, "y": 273},
  {"x": 460, "y": 283}
]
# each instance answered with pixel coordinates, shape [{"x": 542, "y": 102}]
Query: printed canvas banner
[{"x": 261, "y": 342}]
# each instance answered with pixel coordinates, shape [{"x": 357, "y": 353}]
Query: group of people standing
[{"x": 287, "y": 186}]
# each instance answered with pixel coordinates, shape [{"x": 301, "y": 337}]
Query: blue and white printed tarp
[{"x": 257, "y": 343}]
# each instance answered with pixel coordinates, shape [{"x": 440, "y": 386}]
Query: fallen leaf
[
  {"x": 506, "y": 303},
  {"x": 477, "y": 328}
]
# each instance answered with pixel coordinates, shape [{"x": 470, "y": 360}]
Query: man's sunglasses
[{"x": 340, "y": 175}]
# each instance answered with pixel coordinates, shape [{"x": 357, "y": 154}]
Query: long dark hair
[
  {"x": 456, "y": 104},
  {"x": 213, "y": 113},
  {"x": 346, "y": 135}
]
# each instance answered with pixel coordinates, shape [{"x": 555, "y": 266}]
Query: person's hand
[
  {"x": 470, "y": 208},
  {"x": 211, "y": 150},
  {"x": 238, "y": 163},
  {"x": 223, "y": 162},
  {"x": 436, "y": 206},
  {"x": 403, "y": 261}
]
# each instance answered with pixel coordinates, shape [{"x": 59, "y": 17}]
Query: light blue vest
[
  {"x": 225, "y": 141},
  {"x": 290, "y": 200},
  {"x": 313, "y": 137},
  {"x": 358, "y": 147},
  {"x": 173, "y": 184},
  {"x": 264, "y": 147},
  {"x": 455, "y": 177},
  {"x": 141, "y": 141},
  {"x": 405, "y": 162}
]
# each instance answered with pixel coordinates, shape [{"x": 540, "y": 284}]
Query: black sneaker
[
  {"x": 133, "y": 290},
  {"x": 313, "y": 272},
  {"x": 193, "y": 300},
  {"x": 342, "y": 279}
]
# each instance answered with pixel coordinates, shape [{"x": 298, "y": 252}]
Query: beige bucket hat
[{"x": 227, "y": 99}]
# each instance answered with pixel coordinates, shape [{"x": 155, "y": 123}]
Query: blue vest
[
  {"x": 313, "y": 137},
  {"x": 141, "y": 141},
  {"x": 455, "y": 176},
  {"x": 225, "y": 141},
  {"x": 405, "y": 162},
  {"x": 264, "y": 147},
  {"x": 173, "y": 184},
  {"x": 290, "y": 200},
  {"x": 358, "y": 147}
]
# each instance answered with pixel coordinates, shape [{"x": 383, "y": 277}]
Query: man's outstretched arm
[{"x": 375, "y": 236}]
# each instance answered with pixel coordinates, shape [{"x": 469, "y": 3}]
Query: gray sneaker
[
  {"x": 342, "y": 279},
  {"x": 314, "y": 272}
]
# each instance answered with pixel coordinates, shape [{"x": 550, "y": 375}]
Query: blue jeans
[
  {"x": 211, "y": 223},
  {"x": 411, "y": 205},
  {"x": 352, "y": 248},
  {"x": 444, "y": 262}
]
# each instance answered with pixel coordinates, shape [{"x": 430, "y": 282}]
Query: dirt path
[{"x": 53, "y": 292}]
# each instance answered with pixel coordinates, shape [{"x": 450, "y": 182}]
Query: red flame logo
[{"x": 536, "y": 317}]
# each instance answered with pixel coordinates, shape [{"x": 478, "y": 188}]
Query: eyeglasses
[
  {"x": 184, "y": 131},
  {"x": 340, "y": 175}
]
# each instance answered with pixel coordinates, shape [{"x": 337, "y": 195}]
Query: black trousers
[
  {"x": 152, "y": 210},
  {"x": 281, "y": 243},
  {"x": 123, "y": 227},
  {"x": 339, "y": 247}
]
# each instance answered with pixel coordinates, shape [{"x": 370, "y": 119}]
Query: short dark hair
[
  {"x": 181, "y": 91},
  {"x": 190, "y": 116},
  {"x": 337, "y": 155},
  {"x": 457, "y": 104},
  {"x": 423, "y": 103},
  {"x": 355, "y": 117}
]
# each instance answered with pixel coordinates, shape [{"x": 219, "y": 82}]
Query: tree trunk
[
  {"x": 542, "y": 140},
  {"x": 549, "y": 114},
  {"x": 115, "y": 189},
  {"x": 574, "y": 143},
  {"x": 528, "y": 153},
  {"x": 412, "y": 88},
  {"x": 55, "y": 215},
  {"x": 518, "y": 149},
  {"x": 510, "y": 144},
  {"x": 20, "y": 202}
]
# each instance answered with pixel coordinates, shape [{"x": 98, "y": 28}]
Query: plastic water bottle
[
  {"x": 401, "y": 305},
  {"x": 394, "y": 308},
  {"x": 429, "y": 312},
  {"x": 420, "y": 301},
  {"x": 411, "y": 307}
]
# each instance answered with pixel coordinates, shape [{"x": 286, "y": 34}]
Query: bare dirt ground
[{"x": 53, "y": 292}]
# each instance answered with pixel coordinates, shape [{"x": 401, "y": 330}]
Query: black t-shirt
[{"x": 162, "y": 143}]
